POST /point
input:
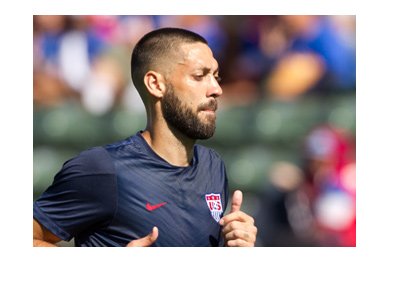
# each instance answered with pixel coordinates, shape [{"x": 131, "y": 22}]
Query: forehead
[{"x": 197, "y": 56}]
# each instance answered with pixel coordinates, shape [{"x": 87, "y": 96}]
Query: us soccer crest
[{"x": 214, "y": 205}]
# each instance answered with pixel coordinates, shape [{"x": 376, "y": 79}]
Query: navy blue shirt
[{"x": 110, "y": 195}]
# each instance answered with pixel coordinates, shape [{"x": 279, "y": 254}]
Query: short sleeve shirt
[{"x": 110, "y": 195}]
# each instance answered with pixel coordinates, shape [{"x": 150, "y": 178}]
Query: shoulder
[{"x": 92, "y": 161}]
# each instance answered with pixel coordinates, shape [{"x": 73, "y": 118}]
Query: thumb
[
  {"x": 237, "y": 199},
  {"x": 145, "y": 241}
]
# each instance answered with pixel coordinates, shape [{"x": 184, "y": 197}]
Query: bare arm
[{"x": 43, "y": 237}]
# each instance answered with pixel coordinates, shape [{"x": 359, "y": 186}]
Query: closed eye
[{"x": 199, "y": 77}]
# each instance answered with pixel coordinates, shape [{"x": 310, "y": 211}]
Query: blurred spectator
[
  {"x": 330, "y": 182},
  {"x": 48, "y": 87},
  {"x": 102, "y": 86},
  {"x": 319, "y": 54},
  {"x": 316, "y": 205},
  {"x": 110, "y": 82},
  {"x": 294, "y": 75},
  {"x": 285, "y": 217},
  {"x": 65, "y": 49}
]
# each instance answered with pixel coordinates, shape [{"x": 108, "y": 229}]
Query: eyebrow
[{"x": 206, "y": 70}]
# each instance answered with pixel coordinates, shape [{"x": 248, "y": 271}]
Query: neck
[{"x": 169, "y": 144}]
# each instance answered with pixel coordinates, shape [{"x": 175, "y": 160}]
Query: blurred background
[{"x": 286, "y": 122}]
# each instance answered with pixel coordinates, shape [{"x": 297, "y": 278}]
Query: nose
[{"x": 214, "y": 89}]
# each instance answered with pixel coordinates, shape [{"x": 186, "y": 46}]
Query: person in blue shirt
[{"x": 157, "y": 187}]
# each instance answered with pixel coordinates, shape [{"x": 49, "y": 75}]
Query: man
[{"x": 157, "y": 187}]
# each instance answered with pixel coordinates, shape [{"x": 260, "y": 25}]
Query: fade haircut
[{"x": 156, "y": 47}]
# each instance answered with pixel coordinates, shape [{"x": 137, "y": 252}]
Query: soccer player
[{"x": 157, "y": 187}]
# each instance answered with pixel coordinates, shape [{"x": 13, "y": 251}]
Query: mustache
[{"x": 211, "y": 105}]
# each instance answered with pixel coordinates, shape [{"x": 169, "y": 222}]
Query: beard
[{"x": 178, "y": 115}]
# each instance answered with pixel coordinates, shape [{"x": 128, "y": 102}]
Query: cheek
[
  {"x": 189, "y": 96},
  {"x": 190, "y": 91}
]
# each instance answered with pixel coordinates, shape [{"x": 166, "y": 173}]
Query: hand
[
  {"x": 238, "y": 227},
  {"x": 145, "y": 241}
]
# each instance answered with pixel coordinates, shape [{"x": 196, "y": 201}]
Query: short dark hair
[{"x": 156, "y": 45}]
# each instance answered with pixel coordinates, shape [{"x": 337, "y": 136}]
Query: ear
[{"x": 155, "y": 83}]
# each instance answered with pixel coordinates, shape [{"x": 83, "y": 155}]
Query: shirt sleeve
[{"x": 82, "y": 197}]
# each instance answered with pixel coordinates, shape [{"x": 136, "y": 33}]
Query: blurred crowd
[{"x": 85, "y": 60}]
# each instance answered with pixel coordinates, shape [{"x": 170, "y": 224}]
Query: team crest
[{"x": 214, "y": 205}]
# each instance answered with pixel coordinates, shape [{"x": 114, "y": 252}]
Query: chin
[{"x": 209, "y": 117}]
